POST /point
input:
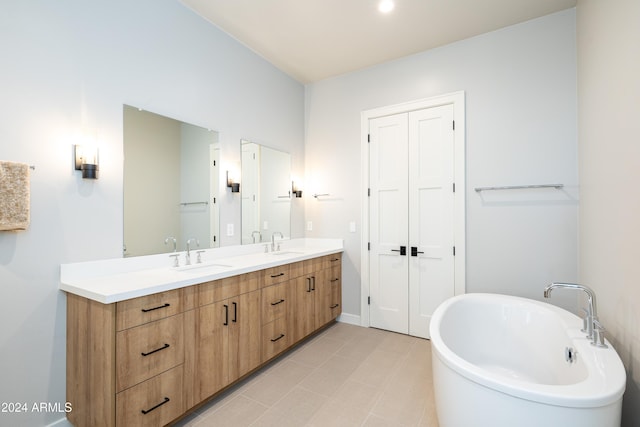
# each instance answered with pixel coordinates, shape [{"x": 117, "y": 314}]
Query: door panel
[
  {"x": 431, "y": 210},
  {"x": 388, "y": 223}
]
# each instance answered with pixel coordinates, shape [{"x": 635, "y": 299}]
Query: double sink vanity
[{"x": 147, "y": 341}]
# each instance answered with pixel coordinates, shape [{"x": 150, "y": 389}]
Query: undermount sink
[
  {"x": 201, "y": 265},
  {"x": 277, "y": 253}
]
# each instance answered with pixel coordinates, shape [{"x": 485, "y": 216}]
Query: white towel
[{"x": 14, "y": 196}]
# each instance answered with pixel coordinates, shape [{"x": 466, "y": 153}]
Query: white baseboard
[{"x": 352, "y": 319}]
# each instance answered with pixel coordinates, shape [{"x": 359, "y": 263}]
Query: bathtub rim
[{"x": 595, "y": 391}]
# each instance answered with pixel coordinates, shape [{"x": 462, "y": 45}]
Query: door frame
[{"x": 457, "y": 99}]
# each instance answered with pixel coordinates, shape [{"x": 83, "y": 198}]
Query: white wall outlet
[
  {"x": 309, "y": 226},
  {"x": 352, "y": 227},
  {"x": 229, "y": 230},
  {"x": 265, "y": 225}
]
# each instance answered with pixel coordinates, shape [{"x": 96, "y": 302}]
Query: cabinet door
[
  {"x": 211, "y": 350},
  {"x": 322, "y": 297},
  {"x": 245, "y": 329},
  {"x": 303, "y": 308}
]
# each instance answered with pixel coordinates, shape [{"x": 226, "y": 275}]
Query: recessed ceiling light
[{"x": 386, "y": 6}]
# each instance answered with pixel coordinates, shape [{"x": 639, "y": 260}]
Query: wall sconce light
[
  {"x": 86, "y": 160},
  {"x": 295, "y": 190},
  {"x": 235, "y": 186}
]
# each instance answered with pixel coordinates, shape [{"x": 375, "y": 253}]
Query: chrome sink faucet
[
  {"x": 273, "y": 240},
  {"x": 592, "y": 325},
  {"x": 172, "y": 239},
  {"x": 188, "y": 254}
]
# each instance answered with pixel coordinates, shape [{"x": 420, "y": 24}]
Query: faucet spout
[
  {"x": 590, "y": 294},
  {"x": 273, "y": 239},
  {"x": 188, "y": 254},
  {"x": 593, "y": 328}
]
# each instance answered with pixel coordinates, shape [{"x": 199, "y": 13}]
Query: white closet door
[
  {"x": 431, "y": 214},
  {"x": 388, "y": 223}
]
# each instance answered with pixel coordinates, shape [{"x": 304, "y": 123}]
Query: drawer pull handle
[
  {"x": 335, "y": 259},
  {"x": 335, "y": 306},
  {"x": 146, "y": 310},
  {"x": 308, "y": 284},
  {"x": 166, "y": 399},
  {"x": 157, "y": 349},
  {"x": 273, "y": 276},
  {"x": 276, "y": 339},
  {"x": 335, "y": 280},
  {"x": 277, "y": 302},
  {"x": 226, "y": 315}
]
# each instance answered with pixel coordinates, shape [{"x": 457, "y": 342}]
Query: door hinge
[
  {"x": 214, "y": 238},
  {"x": 454, "y": 251},
  {"x": 214, "y": 163},
  {"x": 369, "y": 300},
  {"x": 369, "y": 192},
  {"x": 368, "y": 246},
  {"x": 369, "y": 137},
  {"x": 454, "y": 125},
  {"x": 214, "y": 200},
  {"x": 454, "y": 187}
]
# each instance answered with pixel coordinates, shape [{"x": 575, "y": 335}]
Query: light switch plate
[
  {"x": 309, "y": 226},
  {"x": 229, "y": 230}
]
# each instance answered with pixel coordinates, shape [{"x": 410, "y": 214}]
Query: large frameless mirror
[
  {"x": 171, "y": 184},
  {"x": 266, "y": 192}
]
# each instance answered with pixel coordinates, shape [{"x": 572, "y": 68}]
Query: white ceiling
[{"x": 315, "y": 39}]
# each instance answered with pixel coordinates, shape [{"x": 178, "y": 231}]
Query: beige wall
[{"x": 608, "y": 34}]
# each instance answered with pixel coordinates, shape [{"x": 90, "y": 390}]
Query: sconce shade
[
  {"x": 295, "y": 190},
  {"x": 234, "y": 186},
  {"x": 86, "y": 160},
  {"x": 89, "y": 171}
]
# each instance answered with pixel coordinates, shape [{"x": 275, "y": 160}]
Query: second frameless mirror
[{"x": 266, "y": 193}]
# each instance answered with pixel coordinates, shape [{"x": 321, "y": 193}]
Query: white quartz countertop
[{"x": 113, "y": 280}]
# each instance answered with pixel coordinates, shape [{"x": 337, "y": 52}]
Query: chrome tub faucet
[{"x": 591, "y": 323}]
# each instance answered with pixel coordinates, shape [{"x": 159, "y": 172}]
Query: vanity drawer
[
  {"x": 137, "y": 311},
  {"x": 147, "y": 350},
  {"x": 275, "y": 300},
  {"x": 218, "y": 290},
  {"x": 155, "y": 402},
  {"x": 275, "y": 338},
  {"x": 273, "y": 275},
  {"x": 306, "y": 267},
  {"x": 332, "y": 261}
]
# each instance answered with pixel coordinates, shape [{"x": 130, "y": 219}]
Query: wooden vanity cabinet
[
  {"x": 223, "y": 335},
  {"x": 317, "y": 295},
  {"x": 276, "y": 330},
  {"x": 148, "y": 360},
  {"x": 125, "y": 360}
]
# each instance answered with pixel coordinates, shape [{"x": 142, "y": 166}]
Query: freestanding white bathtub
[{"x": 501, "y": 361}]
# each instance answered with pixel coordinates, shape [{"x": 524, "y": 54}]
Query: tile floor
[{"x": 345, "y": 376}]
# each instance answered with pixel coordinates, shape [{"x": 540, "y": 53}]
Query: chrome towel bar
[
  {"x": 193, "y": 203},
  {"x": 518, "y": 187}
]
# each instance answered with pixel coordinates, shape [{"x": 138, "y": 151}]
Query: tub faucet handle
[
  {"x": 585, "y": 320},
  {"x": 598, "y": 334}
]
